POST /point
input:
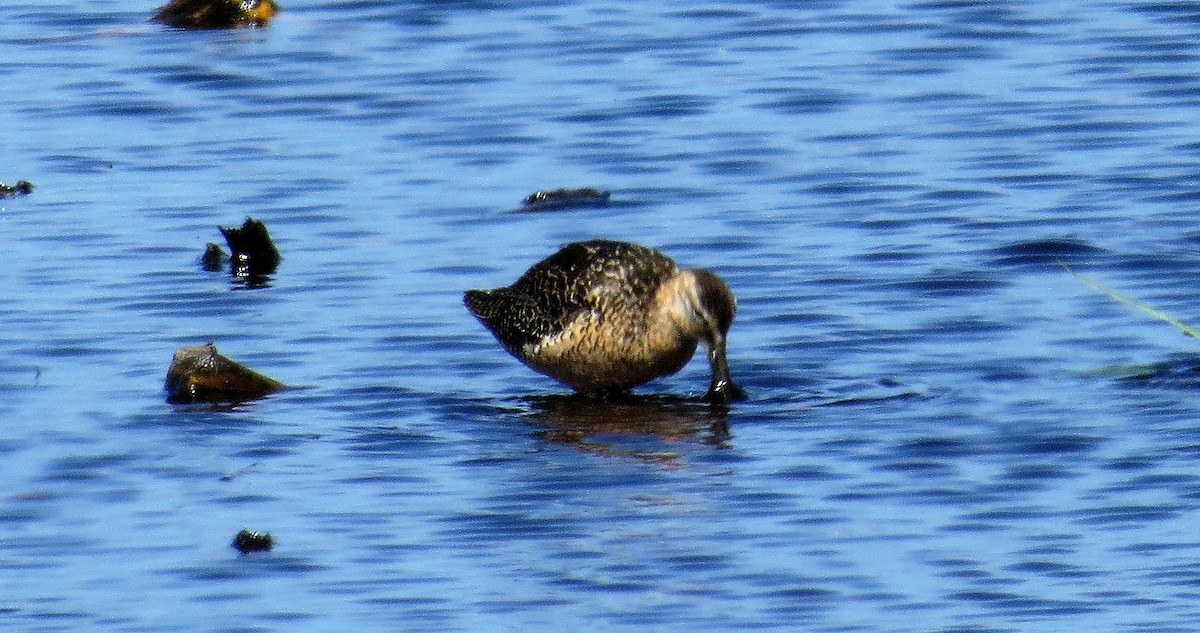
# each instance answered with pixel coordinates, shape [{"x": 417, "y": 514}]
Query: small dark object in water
[
  {"x": 253, "y": 253},
  {"x": 201, "y": 374},
  {"x": 247, "y": 541},
  {"x": 564, "y": 198},
  {"x": 216, "y": 14},
  {"x": 22, "y": 188},
  {"x": 604, "y": 317},
  {"x": 213, "y": 258}
]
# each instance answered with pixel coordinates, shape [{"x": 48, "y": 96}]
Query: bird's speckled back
[{"x": 602, "y": 276}]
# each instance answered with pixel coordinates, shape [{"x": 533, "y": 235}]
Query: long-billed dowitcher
[{"x": 604, "y": 317}]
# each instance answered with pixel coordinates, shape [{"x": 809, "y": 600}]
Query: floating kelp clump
[
  {"x": 254, "y": 256},
  {"x": 564, "y": 198},
  {"x": 216, "y": 14},
  {"x": 248, "y": 541},
  {"x": 22, "y": 188},
  {"x": 201, "y": 374}
]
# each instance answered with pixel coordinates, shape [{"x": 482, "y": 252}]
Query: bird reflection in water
[{"x": 632, "y": 426}]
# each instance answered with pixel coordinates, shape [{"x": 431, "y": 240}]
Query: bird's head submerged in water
[{"x": 711, "y": 309}]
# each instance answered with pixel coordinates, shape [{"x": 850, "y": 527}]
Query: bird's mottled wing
[{"x": 599, "y": 276}]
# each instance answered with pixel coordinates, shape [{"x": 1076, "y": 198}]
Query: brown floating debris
[
  {"x": 216, "y": 14},
  {"x": 254, "y": 255},
  {"x": 22, "y": 188},
  {"x": 563, "y": 198},
  {"x": 247, "y": 541},
  {"x": 201, "y": 374}
]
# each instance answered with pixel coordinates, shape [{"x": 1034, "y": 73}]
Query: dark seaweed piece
[
  {"x": 563, "y": 198},
  {"x": 216, "y": 14},
  {"x": 248, "y": 541},
  {"x": 22, "y": 188},
  {"x": 213, "y": 258},
  {"x": 254, "y": 255}
]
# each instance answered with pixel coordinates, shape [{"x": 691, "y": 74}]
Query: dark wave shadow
[{"x": 644, "y": 427}]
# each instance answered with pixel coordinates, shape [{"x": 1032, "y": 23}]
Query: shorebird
[{"x": 604, "y": 317}]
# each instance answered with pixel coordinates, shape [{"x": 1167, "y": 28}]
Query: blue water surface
[{"x": 947, "y": 431}]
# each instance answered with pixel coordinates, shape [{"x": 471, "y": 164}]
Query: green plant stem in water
[{"x": 1144, "y": 307}]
